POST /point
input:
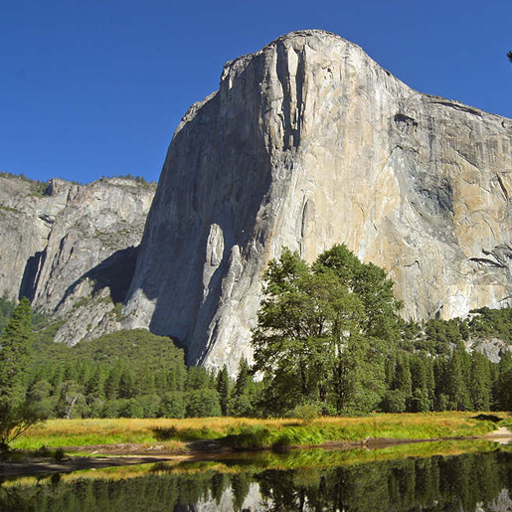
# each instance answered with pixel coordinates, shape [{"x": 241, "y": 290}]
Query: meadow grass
[{"x": 255, "y": 433}]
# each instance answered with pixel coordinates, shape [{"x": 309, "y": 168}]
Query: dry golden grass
[{"x": 81, "y": 432}]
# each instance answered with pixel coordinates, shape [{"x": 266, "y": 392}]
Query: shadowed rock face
[
  {"x": 72, "y": 250},
  {"x": 308, "y": 143}
]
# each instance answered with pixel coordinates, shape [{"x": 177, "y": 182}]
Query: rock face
[
  {"x": 308, "y": 143},
  {"x": 71, "y": 249}
]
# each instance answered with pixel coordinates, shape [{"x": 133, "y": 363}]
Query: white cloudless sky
[{"x": 92, "y": 88}]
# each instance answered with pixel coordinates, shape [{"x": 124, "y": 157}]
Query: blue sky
[{"x": 92, "y": 88}]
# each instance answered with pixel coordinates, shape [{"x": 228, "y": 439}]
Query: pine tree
[
  {"x": 244, "y": 393},
  {"x": 223, "y": 390},
  {"x": 16, "y": 413},
  {"x": 503, "y": 386},
  {"x": 403, "y": 377},
  {"x": 457, "y": 387},
  {"x": 480, "y": 382},
  {"x": 16, "y": 346}
]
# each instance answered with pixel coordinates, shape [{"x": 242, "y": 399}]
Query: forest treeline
[{"x": 138, "y": 374}]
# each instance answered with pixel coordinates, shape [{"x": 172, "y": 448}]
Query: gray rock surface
[
  {"x": 491, "y": 347},
  {"x": 72, "y": 249},
  {"x": 308, "y": 143}
]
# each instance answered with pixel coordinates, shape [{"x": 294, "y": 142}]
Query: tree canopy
[{"x": 323, "y": 331}]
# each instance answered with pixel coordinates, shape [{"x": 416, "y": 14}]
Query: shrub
[
  {"x": 308, "y": 411},
  {"x": 59, "y": 454}
]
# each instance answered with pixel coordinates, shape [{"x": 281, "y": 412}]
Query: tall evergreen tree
[
  {"x": 457, "y": 387},
  {"x": 480, "y": 388},
  {"x": 16, "y": 346},
  {"x": 16, "y": 413},
  {"x": 223, "y": 390}
]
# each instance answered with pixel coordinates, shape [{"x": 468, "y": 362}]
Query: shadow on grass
[{"x": 173, "y": 434}]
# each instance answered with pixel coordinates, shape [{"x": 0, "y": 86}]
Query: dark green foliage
[
  {"x": 492, "y": 322},
  {"x": 503, "y": 384},
  {"x": 16, "y": 346},
  {"x": 480, "y": 384},
  {"x": 223, "y": 390},
  {"x": 323, "y": 331},
  {"x": 124, "y": 374},
  {"x": 245, "y": 393},
  {"x": 202, "y": 402},
  {"x": 322, "y": 348},
  {"x": 6, "y": 309},
  {"x": 395, "y": 400},
  {"x": 17, "y": 412}
]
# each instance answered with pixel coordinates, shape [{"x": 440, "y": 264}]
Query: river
[{"x": 453, "y": 476}]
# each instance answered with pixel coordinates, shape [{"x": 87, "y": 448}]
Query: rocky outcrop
[
  {"x": 308, "y": 143},
  {"x": 71, "y": 249},
  {"x": 491, "y": 347}
]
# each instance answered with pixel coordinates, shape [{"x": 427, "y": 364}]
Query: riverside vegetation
[{"x": 329, "y": 341}]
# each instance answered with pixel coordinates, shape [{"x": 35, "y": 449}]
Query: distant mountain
[{"x": 71, "y": 249}]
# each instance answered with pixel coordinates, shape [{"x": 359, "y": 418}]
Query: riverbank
[
  {"x": 245, "y": 433},
  {"x": 159, "y": 457},
  {"x": 135, "y": 441}
]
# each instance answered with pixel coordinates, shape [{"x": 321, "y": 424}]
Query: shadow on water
[{"x": 469, "y": 482}]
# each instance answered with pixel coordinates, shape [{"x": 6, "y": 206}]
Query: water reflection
[{"x": 468, "y": 482}]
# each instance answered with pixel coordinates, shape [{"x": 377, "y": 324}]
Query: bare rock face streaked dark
[
  {"x": 72, "y": 249},
  {"x": 308, "y": 143}
]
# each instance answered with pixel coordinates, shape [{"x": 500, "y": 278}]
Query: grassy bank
[
  {"x": 294, "y": 460},
  {"x": 255, "y": 433}
]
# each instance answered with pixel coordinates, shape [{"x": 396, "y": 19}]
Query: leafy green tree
[
  {"x": 6, "y": 309},
  {"x": 17, "y": 414},
  {"x": 16, "y": 344},
  {"x": 394, "y": 401},
  {"x": 323, "y": 331}
]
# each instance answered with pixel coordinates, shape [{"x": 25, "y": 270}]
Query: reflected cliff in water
[{"x": 468, "y": 482}]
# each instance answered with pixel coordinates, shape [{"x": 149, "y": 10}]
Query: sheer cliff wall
[{"x": 308, "y": 143}]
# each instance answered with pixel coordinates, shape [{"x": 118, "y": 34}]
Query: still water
[{"x": 314, "y": 480}]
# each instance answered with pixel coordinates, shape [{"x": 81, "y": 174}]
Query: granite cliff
[
  {"x": 308, "y": 143},
  {"x": 71, "y": 249}
]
